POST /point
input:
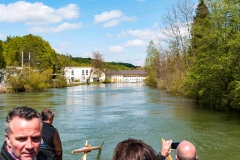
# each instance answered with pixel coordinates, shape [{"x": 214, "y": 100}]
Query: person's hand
[{"x": 166, "y": 148}]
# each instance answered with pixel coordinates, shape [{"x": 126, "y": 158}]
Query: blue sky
[{"x": 119, "y": 30}]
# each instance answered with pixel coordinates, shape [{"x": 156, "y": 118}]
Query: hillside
[{"x": 109, "y": 65}]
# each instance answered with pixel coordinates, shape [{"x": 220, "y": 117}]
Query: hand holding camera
[{"x": 174, "y": 145}]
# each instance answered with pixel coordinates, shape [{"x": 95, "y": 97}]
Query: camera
[{"x": 174, "y": 145}]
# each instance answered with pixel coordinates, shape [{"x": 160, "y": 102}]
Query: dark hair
[
  {"x": 132, "y": 149},
  {"x": 46, "y": 113},
  {"x": 23, "y": 112}
]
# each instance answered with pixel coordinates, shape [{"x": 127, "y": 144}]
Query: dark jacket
[
  {"x": 160, "y": 156},
  {"x": 5, "y": 155},
  {"x": 51, "y": 145}
]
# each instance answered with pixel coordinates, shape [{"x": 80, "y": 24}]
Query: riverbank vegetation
[
  {"x": 30, "y": 63},
  {"x": 199, "y": 56}
]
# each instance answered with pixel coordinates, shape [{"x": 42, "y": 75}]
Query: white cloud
[
  {"x": 135, "y": 42},
  {"x": 68, "y": 12},
  {"x": 106, "y": 16},
  {"x": 36, "y": 13},
  {"x": 112, "y": 18},
  {"x": 60, "y": 28},
  {"x": 131, "y": 19},
  {"x": 143, "y": 34},
  {"x": 111, "y": 23},
  {"x": 115, "y": 49}
]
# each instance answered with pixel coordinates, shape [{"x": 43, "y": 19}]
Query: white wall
[{"x": 80, "y": 74}]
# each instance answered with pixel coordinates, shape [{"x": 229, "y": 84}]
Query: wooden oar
[
  {"x": 169, "y": 157},
  {"x": 87, "y": 148}
]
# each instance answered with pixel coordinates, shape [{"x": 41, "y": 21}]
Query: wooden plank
[{"x": 88, "y": 148}]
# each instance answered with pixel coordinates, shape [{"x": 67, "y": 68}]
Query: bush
[{"x": 107, "y": 80}]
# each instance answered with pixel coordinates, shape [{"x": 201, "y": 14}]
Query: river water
[{"x": 115, "y": 112}]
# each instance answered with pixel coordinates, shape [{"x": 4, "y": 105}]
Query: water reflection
[{"x": 114, "y": 112}]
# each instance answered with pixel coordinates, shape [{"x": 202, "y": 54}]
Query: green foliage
[
  {"x": 62, "y": 62},
  {"x": 234, "y": 95},
  {"x": 152, "y": 65},
  {"x": 109, "y": 65},
  {"x": 200, "y": 26},
  {"x": 36, "y": 52},
  {"x": 213, "y": 79},
  {"x": 107, "y": 80},
  {"x": 59, "y": 82},
  {"x": 29, "y": 80},
  {"x": 120, "y": 66},
  {"x": 210, "y": 71},
  {"x": 2, "y": 60},
  {"x": 16, "y": 83},
  {"x": 82, "y": 61}
]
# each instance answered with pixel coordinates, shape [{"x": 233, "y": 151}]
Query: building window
[
  {"x": 82, "y": 72},
  {"x": 86, "y": 72},
  {"x": 72, "y": 72}
]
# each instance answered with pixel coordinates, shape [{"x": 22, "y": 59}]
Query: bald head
[{"x": 186, "y": 151}]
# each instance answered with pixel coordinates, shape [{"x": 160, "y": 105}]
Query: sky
[{"x": 120, "y": 30}]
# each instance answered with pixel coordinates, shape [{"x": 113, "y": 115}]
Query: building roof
[{"x": 126, "y": 72}]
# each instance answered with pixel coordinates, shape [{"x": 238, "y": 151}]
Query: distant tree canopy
[
  {"x": 152, "y": 65},
  {"x": 2, "y": 60},
  {"x": 29, "y": 50},
  {"x": 42, "y": 66},
  {"x": 82, "y": 61},
  {"x": 204, "y": 62},
  {"x": 120, "y": 66},
  {"x": 109, "y": 65},
  {"x": 33, "y": 51}
]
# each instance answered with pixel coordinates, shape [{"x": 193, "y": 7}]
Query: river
[{"x": 115, "y": 112}]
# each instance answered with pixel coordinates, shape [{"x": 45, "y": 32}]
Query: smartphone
[{"x": 174, "y": 145}]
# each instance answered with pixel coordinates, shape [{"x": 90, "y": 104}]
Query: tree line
[
  {"x": 200, "y": 54},
  {"x": 41, "y": 66},
  {"x": 109, "y": 65}
]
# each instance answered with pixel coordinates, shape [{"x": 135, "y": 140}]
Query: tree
[
  {"x": 177, "y": 29},
  {"x": 98, "y": 64},
  {"x": 152, "y": 65},
  {"x": 200, "y": 26},
  {"x": 63, "y": 61},
  {"x": 173, "y": 61},
  {"x": 2, "y": 61},
  {"x": 32, "y": 50},
  {"x": 214, "y": 78}
]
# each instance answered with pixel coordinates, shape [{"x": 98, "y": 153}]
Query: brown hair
[
  {"x": 46, "y": 113},
  {"x": 132, "y": 149},
  {"x": 23, "y": 112}
]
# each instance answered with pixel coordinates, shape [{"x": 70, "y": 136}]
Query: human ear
[{"x": 7, "y": 140}]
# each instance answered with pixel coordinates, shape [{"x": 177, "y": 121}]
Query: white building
[
  {"x": 131, "y": 76},
  {"x": 81, "y": 74}
]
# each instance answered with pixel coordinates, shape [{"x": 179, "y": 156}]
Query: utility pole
[
  {"x": 22, "y": 59},
  {"x": 29, "y": 59}
]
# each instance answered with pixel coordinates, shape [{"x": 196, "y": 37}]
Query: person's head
[
  {"x": 47, "y": 116},
  {"x": 132, "y": 149},
  {"x": 186, "y": 151},
  {"x": 23, "y": 128}
]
